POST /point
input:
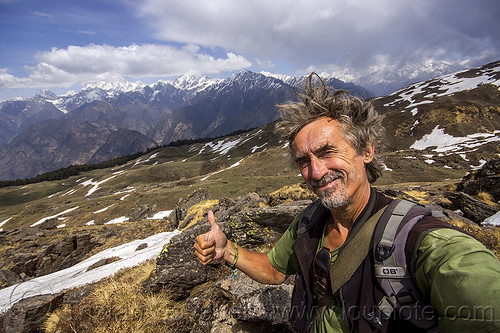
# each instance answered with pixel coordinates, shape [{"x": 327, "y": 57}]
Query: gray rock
[
  {"x": 8, "y": 278},
  {"x": 177, "y": 267},
  {"x": 27, "y": 315},
  {"x": 487, "y": 179},
  {"x": 142, "y": 246},
  {"x": 103, "y": 262},
  {"x": 257, "y": 302},
  {"x": 49, "y": 224},
  {"x": 184, "y": 204},
  {"x": 136, "y": 213},
  {"x": 473, "y": 209}
]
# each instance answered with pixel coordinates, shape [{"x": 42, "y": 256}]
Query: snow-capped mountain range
[{"x": 108, "y": 119}]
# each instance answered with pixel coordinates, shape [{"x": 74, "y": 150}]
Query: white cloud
[
  {"x": 348, "y": 33},
  {"x": 42, "y": 14},
  {"x": 76, "y": 64}
]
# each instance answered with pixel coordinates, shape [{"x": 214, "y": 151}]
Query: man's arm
[
  {"x": 461, "y": 279},
  {"x": 214, "y": 245}
]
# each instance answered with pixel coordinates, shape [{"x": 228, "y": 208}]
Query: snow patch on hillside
[
  {"x": 493, "y": 220},
  {"x": 219, "y": 171},
  {"x": 117, "y": 220},
  {"x": 4, "y": 221},
  {"x": 444, "y": 86},
  {"x": 95, "y": 185},
  {"x": 160, "y": 215},
  {"x": 79, "y": 275},
  {"x": 447, "y": 143},
  {"x": 53, "y": 216}
]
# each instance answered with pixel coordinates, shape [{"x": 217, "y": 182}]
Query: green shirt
[{"x": 459, "y": 276}]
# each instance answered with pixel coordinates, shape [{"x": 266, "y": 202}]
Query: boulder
[
  {"x": 141, "y": 246},
  {"x": 103, "y": 262},
  {"x": 487, "y": 179},
  {"x": 256, "y": 226},
  {"x": 8, "y": 278},
  {"x": 66, "y": 253},
  {"x": 473, "y": 209},
  {"x": 184, "y": 204},
  {"x": 244, "y": 220},
  {"x": 49, "y": 224},
  {"x": 257, "y": 302},
  {"x": 136, "y": 213},
  {"x": 25, "y": 263},
  {"x": 27, "y": 315},
  {"x": 240, "y": 305},
  {"x": 177, "y": 267}
]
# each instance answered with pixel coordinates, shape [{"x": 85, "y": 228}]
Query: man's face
[{"x": 329, "y": 164}]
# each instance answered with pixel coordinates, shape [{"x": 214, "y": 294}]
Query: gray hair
[{"x": 361, "y": 124}]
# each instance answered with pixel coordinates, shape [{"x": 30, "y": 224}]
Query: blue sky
[{"x": 62, "y": 44}]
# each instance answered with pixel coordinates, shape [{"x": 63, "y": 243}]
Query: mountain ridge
[{"x": 162, "y": 113}]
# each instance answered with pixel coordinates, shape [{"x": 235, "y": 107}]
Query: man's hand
[{"x": 210, "y": 245}]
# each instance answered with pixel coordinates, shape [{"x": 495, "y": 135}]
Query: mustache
[{"x": 327, "y": 178}]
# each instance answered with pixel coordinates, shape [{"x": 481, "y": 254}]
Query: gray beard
[
  {"x": 331, "y": 201},
  {"x": 328, "y": 197}
]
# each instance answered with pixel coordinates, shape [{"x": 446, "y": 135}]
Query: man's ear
[{"x": 368, "y": 153}]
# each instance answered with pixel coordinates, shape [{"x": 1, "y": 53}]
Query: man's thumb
[
  {"x": 209, "y": 236},
  {"x": 211, "y": 219}
]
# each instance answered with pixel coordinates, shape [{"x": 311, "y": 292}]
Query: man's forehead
[
  {"x": 318, "y": 135},
  {"x": 315, "y": 146}
]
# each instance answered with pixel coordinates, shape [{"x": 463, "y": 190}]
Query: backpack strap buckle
[
  {"x": 384, "y": 251},
  {"x": 380, "y": 312}
]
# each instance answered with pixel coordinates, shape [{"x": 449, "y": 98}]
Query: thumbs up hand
[{"x": 210, "y": 245}]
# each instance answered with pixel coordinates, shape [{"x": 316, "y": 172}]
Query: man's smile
[{"x": 327, "y": 181}]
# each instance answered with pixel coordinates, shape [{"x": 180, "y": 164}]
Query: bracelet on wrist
[{"x": 235, "y": 260}]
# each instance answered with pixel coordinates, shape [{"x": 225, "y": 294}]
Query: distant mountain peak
[
  {"x": 121, "y": 85},
  {"x": 285, "y": 78},
  {"x": 46, "y": 94},
  {"x": 191, "y": 82}
]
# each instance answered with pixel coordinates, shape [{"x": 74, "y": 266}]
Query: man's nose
[{"x": 318, "y": 169}]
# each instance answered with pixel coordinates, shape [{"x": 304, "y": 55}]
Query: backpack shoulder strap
[
  {"x": 391, "y": 269},
  {"x": 310, "y": 216}
]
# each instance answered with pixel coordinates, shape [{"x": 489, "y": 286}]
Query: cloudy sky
[{"x": 61, "y": 44}]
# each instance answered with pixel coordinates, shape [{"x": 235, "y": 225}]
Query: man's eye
[
  {"x": 302, "y": 163},
  {"x": 327, "y": 153}
]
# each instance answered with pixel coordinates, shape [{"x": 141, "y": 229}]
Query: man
[{"x": 332, "y": 136}]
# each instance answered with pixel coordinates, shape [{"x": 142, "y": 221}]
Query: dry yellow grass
[
  {"x": 196, "y": 212},
  {"x": 117, "y": 304},
  {"x": 292, "y": 192},
  {"x": 486, "y": 197}
]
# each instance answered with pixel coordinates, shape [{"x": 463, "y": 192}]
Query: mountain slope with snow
[{"x": 192, "y": 108}]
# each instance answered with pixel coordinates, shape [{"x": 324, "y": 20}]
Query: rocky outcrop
[
  {"x": 250, "y": 222},
  {"x": 473, "y": 209},
  {"x": 180, "y": 211},
  {"x": 28, "y": 315},
  {"x": 240, "y": 305},
  {"x": 48, "y": 259},
  {"x": 487, "y": 179},
  {"x": 8, "y": 278}
]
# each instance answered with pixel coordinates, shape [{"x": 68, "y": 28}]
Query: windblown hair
[{"x": 361, "y": 124}]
